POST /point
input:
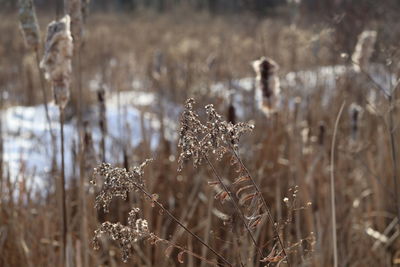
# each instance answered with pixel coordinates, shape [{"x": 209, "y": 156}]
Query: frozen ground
[{"x": 27, "y": 141}]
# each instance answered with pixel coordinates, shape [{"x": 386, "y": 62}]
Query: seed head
[
  {"x": 118, "y": 182},
  {"x": 56, "y": 61},
  {"x": 268, "y": 84},
  {"x": 198, "y": 139},
  {"x": 126, "y": 235}
]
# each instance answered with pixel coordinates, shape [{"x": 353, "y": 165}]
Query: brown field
[{"x": 321, "y": 178}]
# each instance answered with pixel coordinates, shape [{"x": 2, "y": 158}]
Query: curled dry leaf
[
  {"x": 168, "y": 251},
  {"x": 180, "y": 256},
  {"x": 247, "y": 197},
  {"x": 241, "y": 179}
]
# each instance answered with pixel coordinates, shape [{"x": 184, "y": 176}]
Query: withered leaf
[
  {"x": 180, "y": 256},
  {"x": 241, "y": 179},
  {"x": 247, "y": 197}
]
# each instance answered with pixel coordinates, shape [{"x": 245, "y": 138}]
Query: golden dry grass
[{"x": 288, "y": 152}]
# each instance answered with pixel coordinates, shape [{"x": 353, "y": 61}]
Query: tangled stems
[
  {"x": 270, "y": 218},
  {"x": 155, "y": 201},
  {"x": 118, "y": 182}
]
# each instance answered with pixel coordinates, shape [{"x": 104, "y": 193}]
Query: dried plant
[
  {"x": 56, "y": 61},
  {"x": 363, "y": 51},
  {"x": 118, "y": 182},
  {"x": 28, "y": 23},
  {"x": 136, "y": 230},
  {"x": 197, "y": 141},
  {"x": 268, "y": 89}
]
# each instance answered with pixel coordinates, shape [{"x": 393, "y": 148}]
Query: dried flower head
[
  {"x": 126, "y": 235},
  {"x": 74, "y": 9},
  {"x": 363, "y": 51},
  {"x": 28, "y": 23},
  {"x": 56, "y": 61},
  {"x": 268, "y": 88},
  {"x": 216, "y": 135},
  {"x": 118, "y": 182}
]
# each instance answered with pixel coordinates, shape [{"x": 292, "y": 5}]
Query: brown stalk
[
  {"x": 143, "y": 190},
  {"x": 333, "y": 205},
  {"x": 391, "y": 129},
  {"x": 270, "y": 218},
  {"x": 46, "y": 107},
  {"x": 63, "y": 195},
  {"x": 236, "y": 205}
]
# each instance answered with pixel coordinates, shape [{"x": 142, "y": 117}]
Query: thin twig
[
  {"x": 189, "y": 252},
  {"x": 236, "y": 205},
  {"x": 147, "y": 194},
  {"x": 394, "y": 155},
  {"x": 46, "y": 107},
  {"x": 63, "y": 195},
  {"x": 333, "y": 206},
  {"x": 275, "y": 228}
]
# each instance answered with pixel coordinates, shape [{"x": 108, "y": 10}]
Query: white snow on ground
[{"x": 27, "y": 141}]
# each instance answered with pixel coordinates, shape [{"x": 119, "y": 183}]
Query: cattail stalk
[
  {"x": 56, "y": 63},
  {"x": 74, "y": 9},
  {"x": 31, "y": 35},
  {"x": 332, "y": 181}
]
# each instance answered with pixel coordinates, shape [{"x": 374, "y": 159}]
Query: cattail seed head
[
  {"x": 355, "y": 112},
  {"x": 101, "y": 98},
  {"x": 322, "y": 133},
  {"x": 56, "y": 61},
  {"x": 268, "y": 83},
  {"x": 363, "y": 51},
  {"x": 28, "y": 23}
]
